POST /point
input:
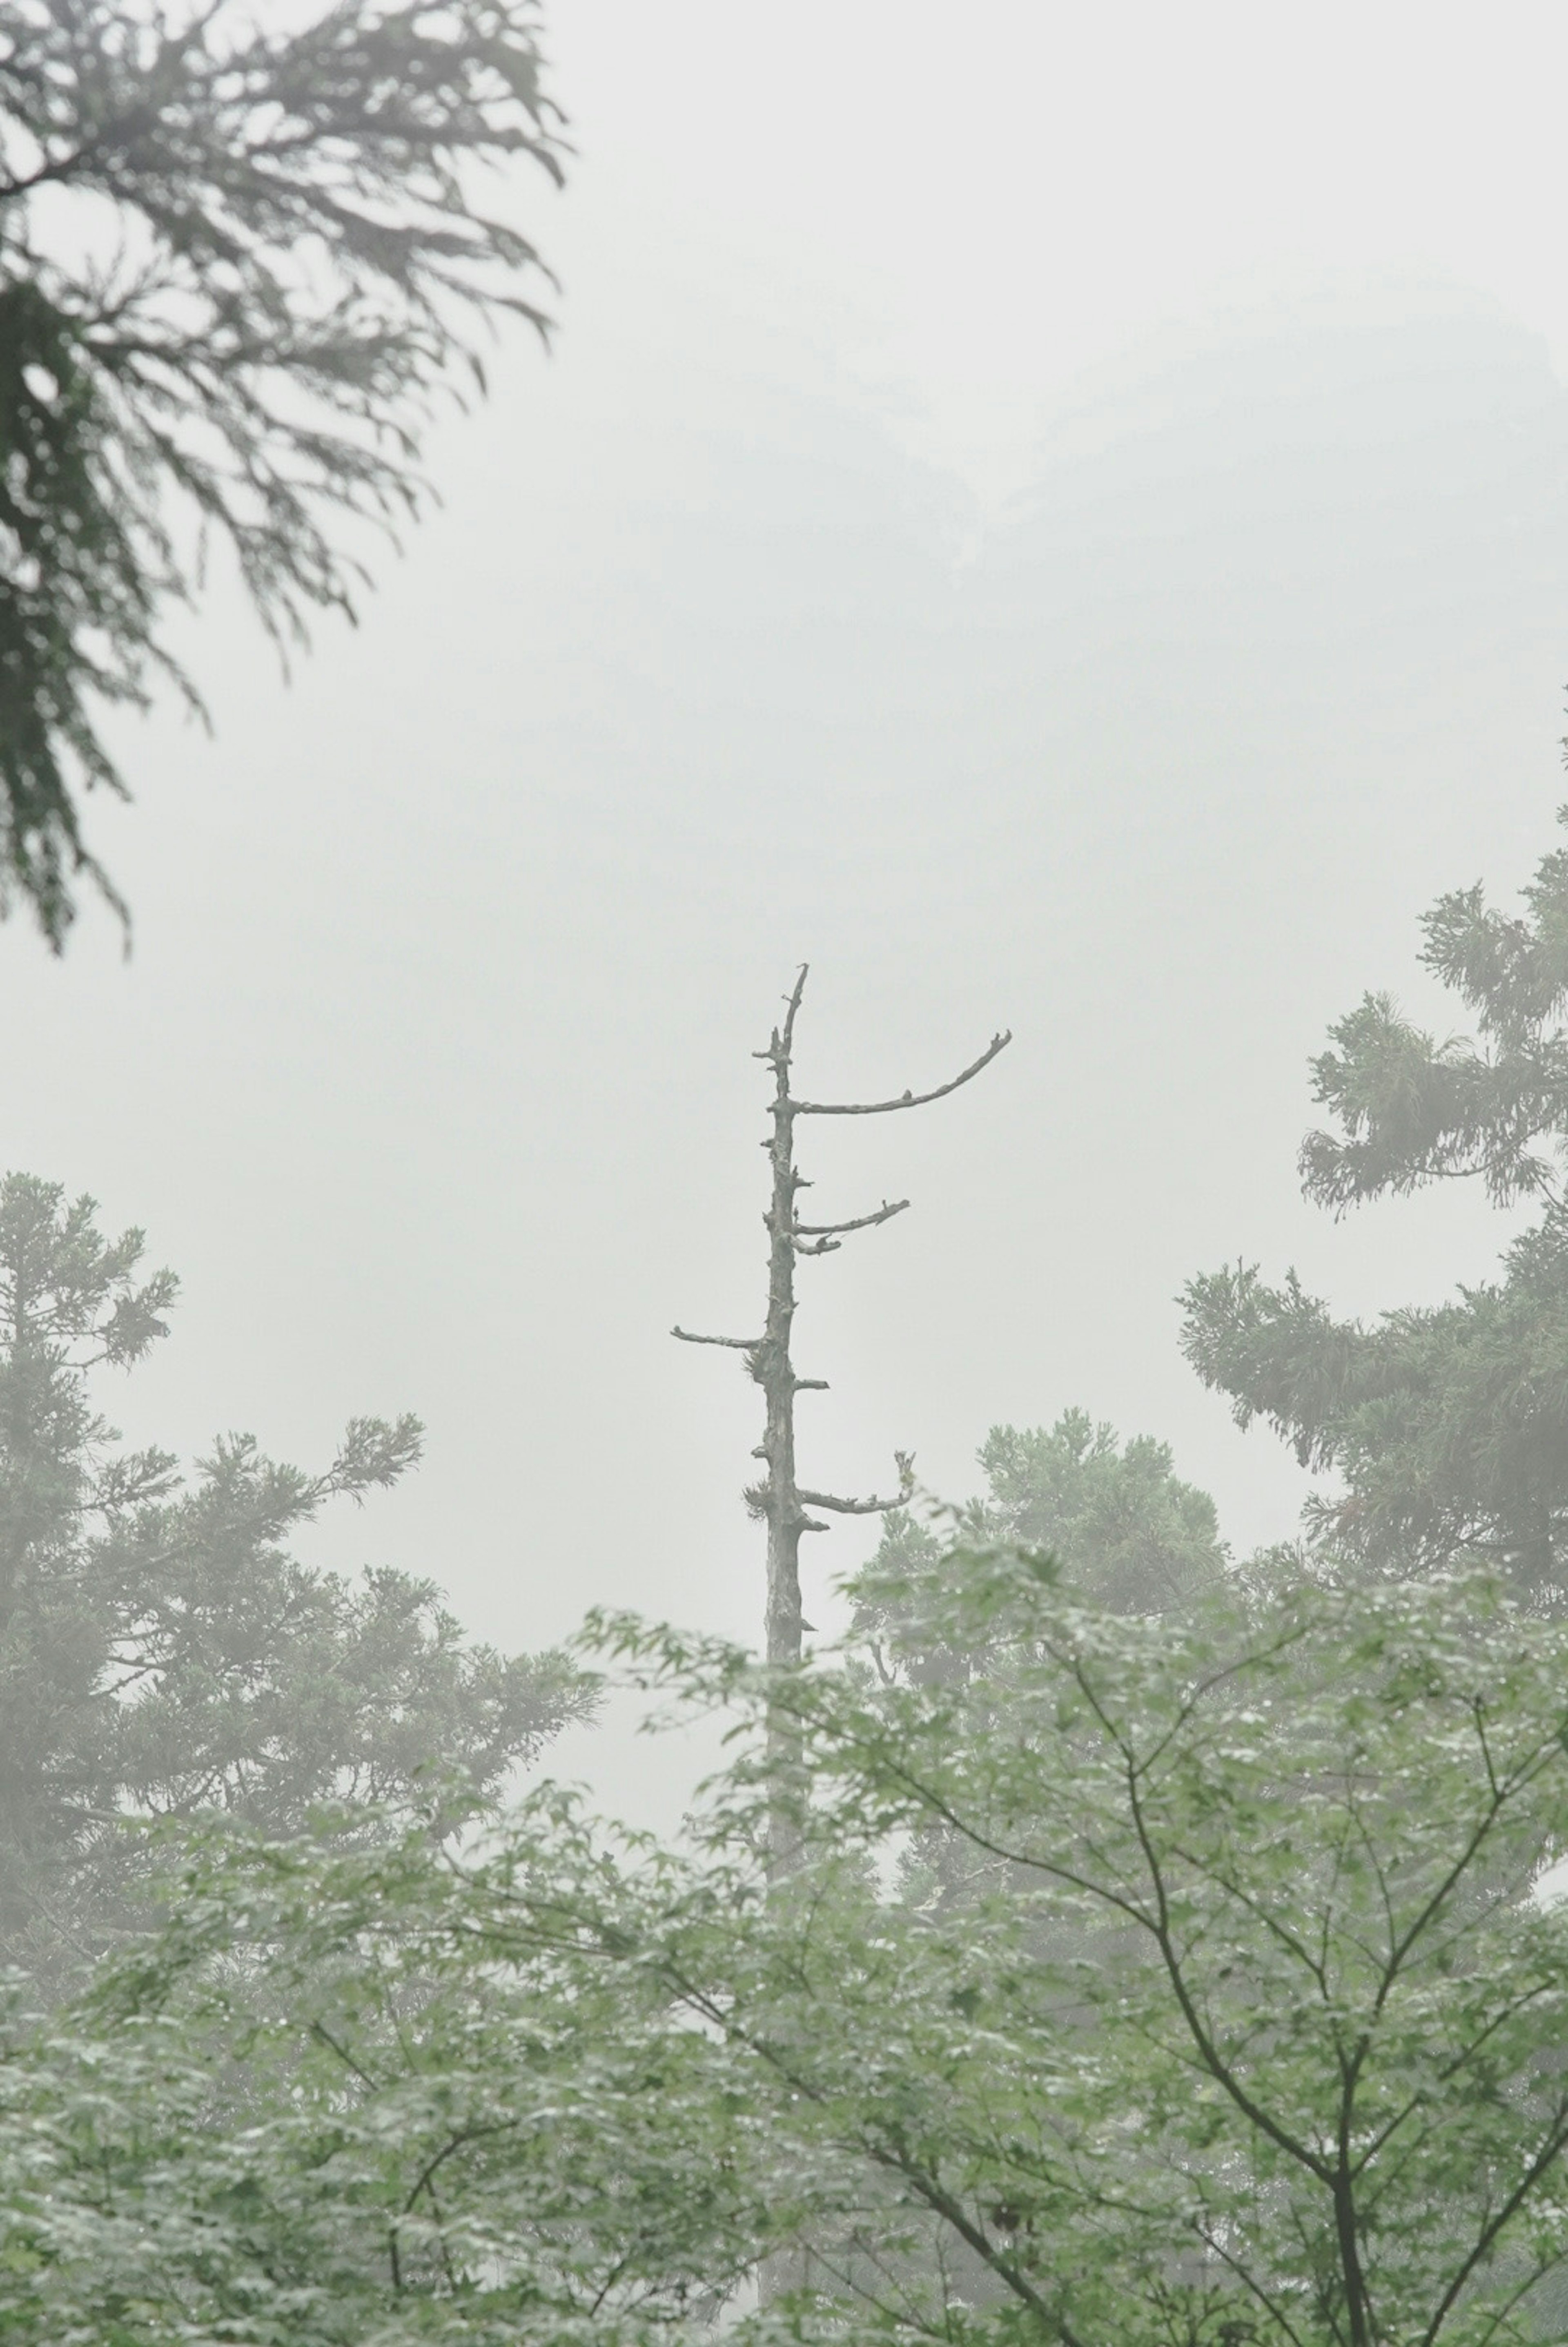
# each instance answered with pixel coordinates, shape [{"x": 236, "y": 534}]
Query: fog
[{"x": 1057, "y": 518}]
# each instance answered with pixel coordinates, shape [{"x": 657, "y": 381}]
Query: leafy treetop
[{"x": 1128, "y": 1533}]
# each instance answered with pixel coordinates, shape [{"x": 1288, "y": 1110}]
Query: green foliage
[
  {"x": 1128, "y": 1534},
  {"x": 233, "y": 265},
  {"x": 379, "y": 2096},
  {"x": 1261, "y": 2049},
  {"x": 1116, "y": 1523},
  {"x": 1447, "y": 1425},
  {"x": 1410, "y": 1110},
  {"x": 1261, "y": 2040},
  {"x": 161, "y": 1653}
]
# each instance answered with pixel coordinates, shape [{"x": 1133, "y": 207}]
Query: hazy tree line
[{"x": 1111, "y": 1941}]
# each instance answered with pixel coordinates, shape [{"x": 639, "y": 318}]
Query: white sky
[
  {"x": 1059, "y": 517},
  {"x": 1007, "y": 193}
]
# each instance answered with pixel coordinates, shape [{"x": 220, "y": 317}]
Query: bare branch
[
  {"x": 847, "y": 1507},
  {"x": 905, "y": 1463},
  {"x": 780, "y": 1045},
  {"x": 776, "y": 1497},
  {"x": 798, "y": 990},
  {"x": 906, "y": 1100},
  {"x": 884, "y": 1214}
]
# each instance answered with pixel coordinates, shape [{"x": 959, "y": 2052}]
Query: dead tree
[{"x": 778, "y": 1497}]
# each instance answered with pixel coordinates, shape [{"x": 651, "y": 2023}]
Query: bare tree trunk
[{"x": 777, "y": 1497}]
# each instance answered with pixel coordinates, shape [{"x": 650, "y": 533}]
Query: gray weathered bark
[{"x": 777, "y": 1497}]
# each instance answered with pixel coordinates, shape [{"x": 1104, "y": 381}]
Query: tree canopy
[
  {"x": 1446, "y": 1424},
  {"x": 1280, "y": 2069},
  {"x": 236, "y": 259},
  {"x": 162, "y": 1655},
  {"x": 1129, "y": 1533},
  {"x": 1118, "y": 1521}
]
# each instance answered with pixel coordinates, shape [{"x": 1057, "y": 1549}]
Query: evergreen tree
[
  {"x": 1122, "y": 1526},
  {"x": 234, "y": 263},
  {"x": 161, "y": 1653},
  {"x": 1447, "y": 1425}
]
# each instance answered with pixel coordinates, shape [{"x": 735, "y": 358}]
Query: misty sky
[{"x": 1057, "y": 516}]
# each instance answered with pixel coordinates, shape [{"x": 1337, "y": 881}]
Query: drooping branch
[
  {"x": 905, "y": 1100},
  {"x": 240, "y": 260}
]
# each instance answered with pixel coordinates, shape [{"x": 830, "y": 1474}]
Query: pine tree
[
  {"x": 1120, "y": 1525},
  {"x": 1447, "y": 1425},
  {"x": 161, "y": 1654}
]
